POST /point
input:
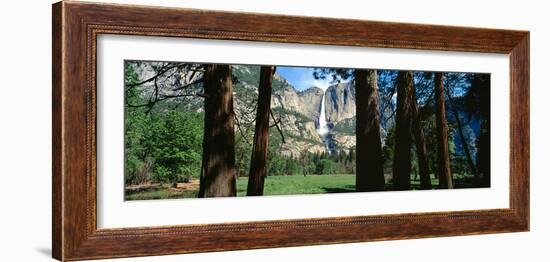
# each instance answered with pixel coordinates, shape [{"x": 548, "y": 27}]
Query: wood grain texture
[
  {"x": 57, "y": 195},
  {"x": 76, "y": 26},
  {"x": 519, "y": 130}
]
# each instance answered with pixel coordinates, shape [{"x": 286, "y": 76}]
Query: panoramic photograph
[{"x": 197, "y": 130}]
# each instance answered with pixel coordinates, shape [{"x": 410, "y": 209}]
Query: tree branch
[
  {"x": 277, "y": 125},
  {"x": 188, "y": 85},
  {"x": 161, "y": 72},
  {"x": 240, "y": 130}
]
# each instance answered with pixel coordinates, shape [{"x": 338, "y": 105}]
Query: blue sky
[{"x": 302, "y": 77}]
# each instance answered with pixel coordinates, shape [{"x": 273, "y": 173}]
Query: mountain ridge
[{"x": 298, "y": 110}]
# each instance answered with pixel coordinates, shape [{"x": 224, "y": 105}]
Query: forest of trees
[{"x": 409, "y": 125}]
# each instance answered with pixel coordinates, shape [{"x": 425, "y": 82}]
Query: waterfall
[{"x": 323, "y": 127}]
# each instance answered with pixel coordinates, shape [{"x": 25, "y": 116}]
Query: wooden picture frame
[{"x": 76, "y": 26}]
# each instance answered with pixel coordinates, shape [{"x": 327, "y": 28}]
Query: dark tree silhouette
[
  {"x": 462, "y": 137},
  {"x": 478, "y": 104},
  {"x": 258, "y": 162},
  {"x": 218, "y": 176},
  {"x": 444, "y": 166},
  {"x": 403, "y": 139},
  {"x": 370, "y": 171},
  {"x": 423, "y": 166}
]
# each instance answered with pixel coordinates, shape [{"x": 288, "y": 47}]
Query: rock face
[
  {"x": 299, "y": 112},
  {"x": 340, "y": 102},
  {"x": 307, "y": 103},
  {"x": 302, "y": 111}
]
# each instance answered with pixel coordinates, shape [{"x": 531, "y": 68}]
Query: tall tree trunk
[
  {"x": 403, "y": 139},
  {"x": 423, "y": 167},
  {"x": 218, "y": 176},
  {"x": 369, "y": 161},
  {"x": 484, "y": 153},
  {"x": 483, "y": 83},
  {"x": 444, "y": 166},
  {"x": 463, "y": 141},
  {"x": 258, "y": 161}
]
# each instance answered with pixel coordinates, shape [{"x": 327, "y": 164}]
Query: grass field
[
  {"x": 296, "y": 185},
  {"x": 281, "y": 185},
  {"x": 274, "y": 185}
]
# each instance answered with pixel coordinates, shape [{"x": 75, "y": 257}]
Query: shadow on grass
[{"x": 347, "y": 189}]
